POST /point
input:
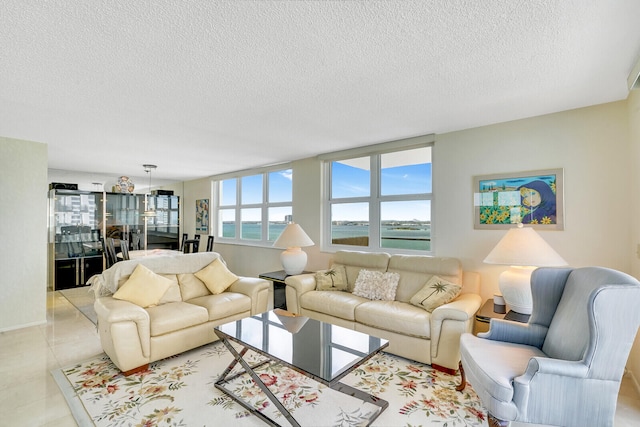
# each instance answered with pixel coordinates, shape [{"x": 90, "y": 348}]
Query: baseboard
[{"x": 24, "y": 325}]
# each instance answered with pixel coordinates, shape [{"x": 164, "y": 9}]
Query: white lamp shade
[
  {"x": 523, "y": 249},
  {"x": 523, "y": 246},
  {"x": 294, "y": 259},
  {"x": 293, "y": 236}
]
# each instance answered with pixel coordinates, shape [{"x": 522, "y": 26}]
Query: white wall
[
  {"x": 591, "y": 144},
  {"x": 23, "y": 233},
  {"x": 634, "y": 196}
]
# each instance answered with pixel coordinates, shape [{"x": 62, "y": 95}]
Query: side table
[
  {"x": 279, "y": 295},
  {"x": 486, "y": 313}
]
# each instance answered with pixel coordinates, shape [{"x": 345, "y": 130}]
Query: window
[
  {"x": 254, "y": 208},
  {"x": 379, "y": 201}
]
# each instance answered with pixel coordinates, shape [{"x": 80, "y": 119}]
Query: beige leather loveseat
[
  {"x": 412, "y": 331},
  {"x": 133, "y": 335}
]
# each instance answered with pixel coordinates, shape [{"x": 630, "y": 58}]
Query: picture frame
[
  {"x": 535, "y": 198},
  {"x": 202, "y": 216}
]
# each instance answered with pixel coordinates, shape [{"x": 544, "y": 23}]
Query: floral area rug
[{"x": 180, "y": 391}]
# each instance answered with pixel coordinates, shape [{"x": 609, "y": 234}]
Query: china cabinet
[{"x": 78, "y": 220}]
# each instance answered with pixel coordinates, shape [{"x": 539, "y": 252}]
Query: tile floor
[{"x": 30, "y": 397}]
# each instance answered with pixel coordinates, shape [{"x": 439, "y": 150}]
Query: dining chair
[
  {"x": 191, "y": 246},
  {"x": 136, "y": 240},
  {"x": 196, "y": 236},
  {"x": 185, "y": 237},
  {"x": 124, "y": 249},
  {"x": 109, "y": 248},
  {"x": 210, "y": 243}
]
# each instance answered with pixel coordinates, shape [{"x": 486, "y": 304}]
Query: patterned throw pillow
[
  {"x": 435, "y": 293},
  {"x": 376, "y": 285},
  {"x": 333, "y": 279}
]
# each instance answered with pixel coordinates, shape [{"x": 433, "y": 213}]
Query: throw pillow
[
  {"x": 216, "y": 276},
  {"x": 144, "y": 287},
  {"x": 173, "y": 293},
  {"x": 435, "y": 293},
  {"x": 333, "y": 279},
  {"x": 376, "y": 285},
  {"x": 191, "y": 287}
]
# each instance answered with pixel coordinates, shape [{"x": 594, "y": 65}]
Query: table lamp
[
  {"x": 524, "y": 250},
  {"x": 293, "y": 259}
]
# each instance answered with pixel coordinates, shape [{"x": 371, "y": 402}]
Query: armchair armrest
[
  {"x": 296, "y": 286},
  {"x": 518, "y": 333},
  {"x": 547, "y": 365},
  {"x": 254, "y": 288}
]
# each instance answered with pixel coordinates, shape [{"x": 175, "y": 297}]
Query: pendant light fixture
[{"x": 148, "y": 213}]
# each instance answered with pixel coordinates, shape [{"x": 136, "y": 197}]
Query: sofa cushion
[
  {"x": 223, "y": 305},
  {"x": 216, "y": 276},
  {"x": 175, "y": 316},
  {"x": 337, "y": 304},
  {"x": 376, "y": 285},
  {"x": 395, "y": 316},
  {"x": 435, "y": 293},
  {"x": 191, "y": 287},
  {"x": 144, "y": 287},
  {"x": 354, "y": 261},
  {"x": 415, "y": 270},
  {"x": 333, "y": 279}
]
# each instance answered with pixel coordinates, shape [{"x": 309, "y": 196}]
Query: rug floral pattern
[{"x": 180, "y": 391}]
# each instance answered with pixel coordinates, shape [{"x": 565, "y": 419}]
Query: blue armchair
[{"x": 564, "y": 367}]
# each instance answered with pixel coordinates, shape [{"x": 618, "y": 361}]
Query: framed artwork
[
  {"x": 534, "y": 197},
  {"x": 202, "y": 216}
]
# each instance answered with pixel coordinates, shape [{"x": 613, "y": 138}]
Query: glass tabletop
[{"x": 318, "y": 349}]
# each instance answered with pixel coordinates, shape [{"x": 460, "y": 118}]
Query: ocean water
[{"x": 393, "y": 237}]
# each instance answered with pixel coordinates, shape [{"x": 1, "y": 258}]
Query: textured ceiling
[{"x": 203, "y": 87}]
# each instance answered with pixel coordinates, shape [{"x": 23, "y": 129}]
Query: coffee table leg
[{"x": 248, "y": 369}]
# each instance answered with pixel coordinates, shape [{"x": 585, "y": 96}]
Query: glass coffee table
[{"x": 319, "y": 350}]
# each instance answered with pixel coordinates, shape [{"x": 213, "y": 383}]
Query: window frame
[
  {"x": 375, "y": 198},
  {"x": 264, "y": 205}
]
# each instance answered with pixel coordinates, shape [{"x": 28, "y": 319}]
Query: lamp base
[
  {"x": 515, "y": 286},
  {"x": 293, "y": 260}
]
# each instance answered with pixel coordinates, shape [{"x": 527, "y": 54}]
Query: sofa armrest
[
  {"x": 463, "y": 308},
  {"x": 114, "y": 311},
  {"x": 256, "y": 289},
  {"x": 448, "y": 323},
  {"x": 297, "y": 286}
]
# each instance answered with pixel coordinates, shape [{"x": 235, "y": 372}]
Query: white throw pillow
[
  {"x": 435, "y": 293},
  {"x": 376, "y": 285},
  {"x": 144, "y": 287},
  {"x": 333, "y": 279},
  {"x": 216, "y": 276}
]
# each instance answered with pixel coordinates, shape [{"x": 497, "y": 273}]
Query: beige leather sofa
[
  {"x": 414, "y": 333},
  {"x": 185, "y": 318}
]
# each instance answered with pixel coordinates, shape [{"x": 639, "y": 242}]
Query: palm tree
[
  {"x": 437, "y": 288},
  {"x": 331, "y": 273}
]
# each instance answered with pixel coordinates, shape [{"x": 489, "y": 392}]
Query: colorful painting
[
  {"x": 202, "y": 216},
  {"x": 534, "y": 198}
]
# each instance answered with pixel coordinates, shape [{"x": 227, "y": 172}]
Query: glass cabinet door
[{"x": 76, "y": 220}]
